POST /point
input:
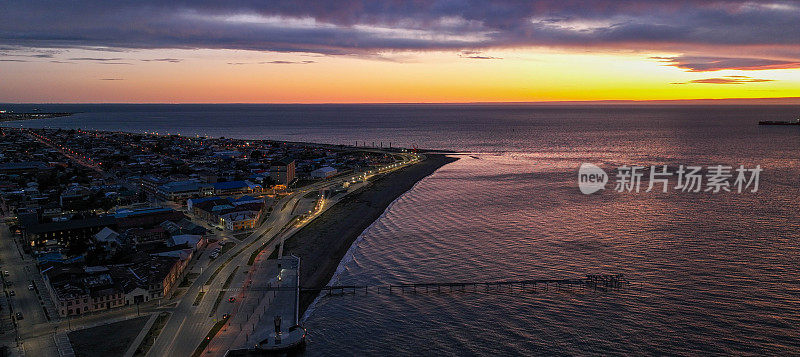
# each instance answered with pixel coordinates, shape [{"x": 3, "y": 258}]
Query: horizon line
[{"x": 720, "y": 101}]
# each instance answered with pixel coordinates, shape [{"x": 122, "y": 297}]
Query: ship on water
[{"x": 779, "y": 122}]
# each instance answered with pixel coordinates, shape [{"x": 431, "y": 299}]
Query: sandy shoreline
[{"x": 323, "y": 243}]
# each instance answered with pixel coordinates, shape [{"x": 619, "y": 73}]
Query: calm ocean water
[{"x": 713, "y": 274}]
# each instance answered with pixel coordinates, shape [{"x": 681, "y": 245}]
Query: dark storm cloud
[{"x": 364, "y": 27}]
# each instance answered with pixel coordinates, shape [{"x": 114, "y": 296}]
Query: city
[
  {"x": 325, "y": 178},
  {"x": 102, "y": 228}
]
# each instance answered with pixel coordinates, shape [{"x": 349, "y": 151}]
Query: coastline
[{"x": 323, "y": 243}]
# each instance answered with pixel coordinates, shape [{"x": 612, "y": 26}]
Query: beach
[{"x": 323, "y": 242}]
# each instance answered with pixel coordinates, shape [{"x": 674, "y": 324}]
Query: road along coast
[{"x": 322, "y": 243}]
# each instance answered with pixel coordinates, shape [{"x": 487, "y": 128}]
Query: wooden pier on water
[{"x": 596, "y": 282}]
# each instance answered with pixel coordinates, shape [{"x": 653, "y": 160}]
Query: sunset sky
[{"x": 396, "y": 51}]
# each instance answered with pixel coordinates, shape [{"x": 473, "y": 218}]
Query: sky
[{"x": 374, "y": 51}]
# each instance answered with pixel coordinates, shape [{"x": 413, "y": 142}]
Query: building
[
  {"x": 240, "y": 220},
  {"x": 53, "y": 236},
  {"x": 180, "y": 191},
  {"x": 236, "y": 188},
  {"x": 150, "y": 184},
  {"x": 191, "y": 240},
  {"x": 76, "y": 291},
  {"x": 108, "y": 240},
  {"x": 282, "y": 171},
  {"x": 324, "y": 172},
  {"x": 233, "y": 214},
  {"x": 158, "y": 274},
  {"x": 73, "y": 197},
  {"x": 146, "y": 217},
  {"x": 183, "y": 226},
  {"x": 23, "y": 167},
  {"x": 147, "y": 235}
]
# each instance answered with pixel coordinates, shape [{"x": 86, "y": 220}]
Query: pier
[{"x": 596, "y": 282}]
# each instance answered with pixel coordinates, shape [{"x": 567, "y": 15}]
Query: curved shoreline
[{"x": 324, "y": 242}]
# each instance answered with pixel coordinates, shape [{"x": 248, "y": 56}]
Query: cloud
[
  {"x": 112, "y": 79},
  {"x": 170, "y": 60},
  {"x": 764, "y": 30},
  {"x": 273, "y": 62},
  {"x": 12, "y": 60},
  {"x": 727, "y": 80},
  {"x": 287, "y": 62},
  {"x": 476, "y": 55},
  {"x": 707, "y": 64},
  {"x": 95, "y": 59}
]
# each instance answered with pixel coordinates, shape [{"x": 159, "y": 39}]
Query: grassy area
[
  {"x": 213, "y": 332},
  {"x": 222, "y": 293},
  {"x": 152, "y": 334},
  {"x": 106, "y": 340},
  {"x": 187, "y": 280},
  {"x": 256, "y": 252},
  {"x": 228, "y": 246},
  {"x": 199, "y": 298}
]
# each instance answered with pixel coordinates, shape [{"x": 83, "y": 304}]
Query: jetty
[{"x": 593, "y": 281}]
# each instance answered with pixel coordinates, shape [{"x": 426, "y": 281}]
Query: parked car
[
  {"x": 232, "y": 299},
  {"x": 30, "y": 286},
  {"x": 19, "y": 316},
  {"x": 6, "y": 273},
  {"x": 11, "y": 293}
]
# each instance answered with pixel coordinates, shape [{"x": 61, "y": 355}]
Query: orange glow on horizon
[{"x": 519, "y": 75}]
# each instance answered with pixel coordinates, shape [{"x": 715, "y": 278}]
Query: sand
[{"x": 323, "y": 242}]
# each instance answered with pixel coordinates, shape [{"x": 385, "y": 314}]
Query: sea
[{"x": 710, "y": 273}]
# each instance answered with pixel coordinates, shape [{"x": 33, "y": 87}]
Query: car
[
  {"x": 6, "y": 273},
  {"x": 218, "y": 228},
  {"x": 232, "y": 299},
  {"x": 225, "y": 316},
  {"x": 19, "y": 316},
  {"x": 30, "y": 286},
  {"x": 11, "y": 293}
]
